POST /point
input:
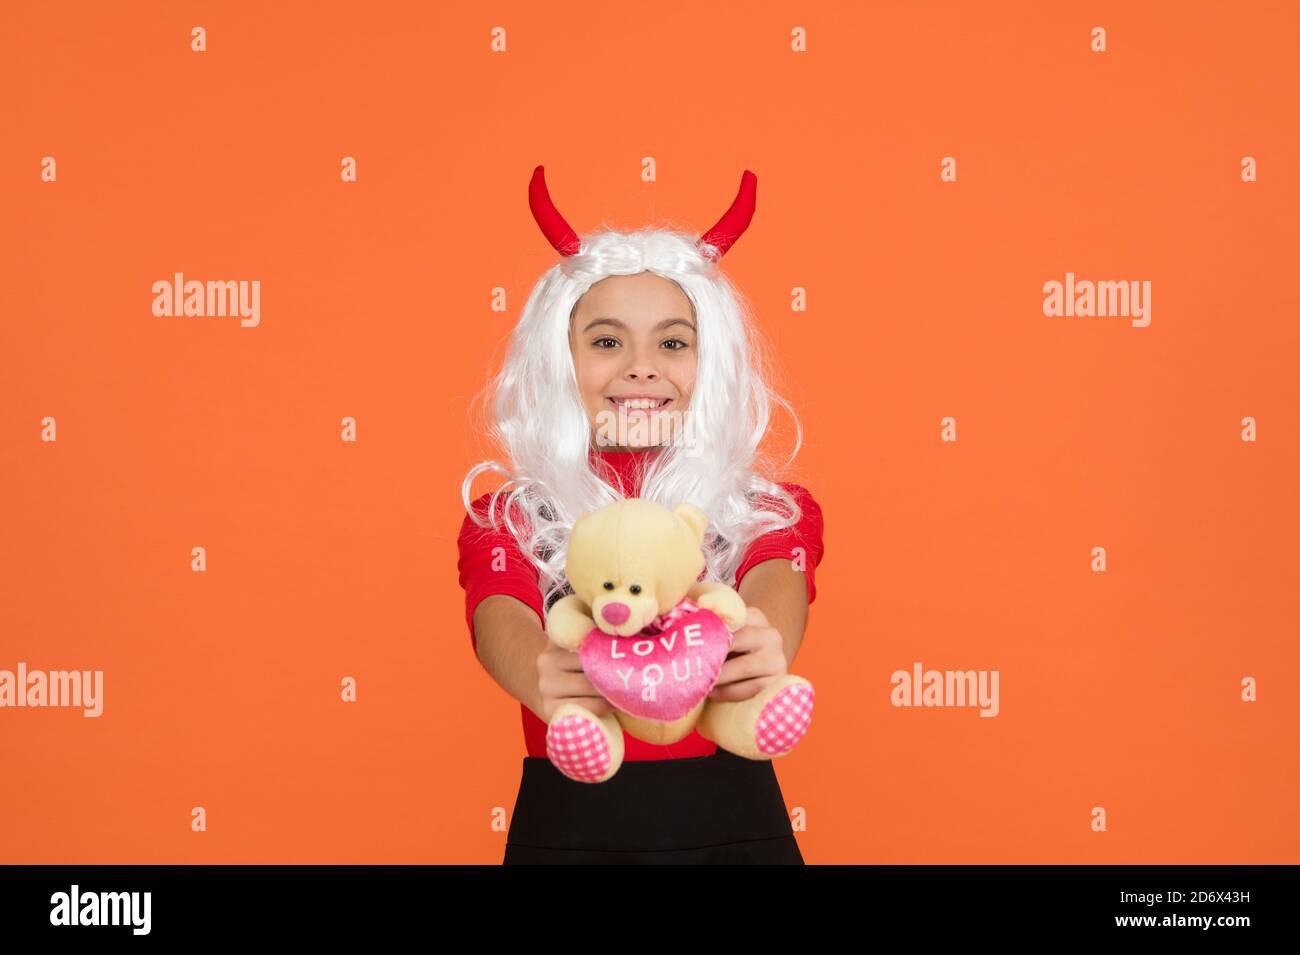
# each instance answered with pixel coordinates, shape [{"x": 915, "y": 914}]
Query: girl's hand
[
  {"x": 757, "y": 657},
  {"x": 560, "y": 679}
]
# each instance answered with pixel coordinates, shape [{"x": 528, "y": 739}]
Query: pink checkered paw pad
[
  {"x": 578, "y": 748},
  {"x": 784, "y": 720}
]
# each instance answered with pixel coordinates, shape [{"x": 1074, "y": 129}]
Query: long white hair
[{"x": 539, "y": 419}]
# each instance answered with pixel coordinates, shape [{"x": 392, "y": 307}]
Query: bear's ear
[{"x": 694, "y": 518}]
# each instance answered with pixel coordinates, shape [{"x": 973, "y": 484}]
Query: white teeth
[{"x": 634, "y": 404}]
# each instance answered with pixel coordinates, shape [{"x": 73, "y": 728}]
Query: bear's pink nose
[{"x": 615, "y": 613}]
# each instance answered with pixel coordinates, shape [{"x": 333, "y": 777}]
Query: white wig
[{"x": 540, "y": 420}]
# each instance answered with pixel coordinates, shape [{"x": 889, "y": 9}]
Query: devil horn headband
[{"x": 722, "y": 236}]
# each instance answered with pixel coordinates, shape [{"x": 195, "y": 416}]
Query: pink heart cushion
[{"x": 660, "y": 675}]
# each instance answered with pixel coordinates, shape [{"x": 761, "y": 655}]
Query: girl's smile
[{"x": 639, "y": 404}]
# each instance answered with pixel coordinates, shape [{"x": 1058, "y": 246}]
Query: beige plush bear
[{"x": 652, "y": 638}]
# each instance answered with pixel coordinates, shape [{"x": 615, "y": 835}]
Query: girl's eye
[{"x": 680, "y": 345}]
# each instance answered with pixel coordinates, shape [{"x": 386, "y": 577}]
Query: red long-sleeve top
[{"x": 485, "y": 570}]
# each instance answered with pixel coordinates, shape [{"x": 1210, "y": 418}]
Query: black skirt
[{"x": 720, "y": 809}]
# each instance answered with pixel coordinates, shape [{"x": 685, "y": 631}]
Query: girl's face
[{"x": 634, "y": 352}]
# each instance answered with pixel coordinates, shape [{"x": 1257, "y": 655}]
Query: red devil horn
[
  {"x": 736, "y": 219},
  {"x": 559, "y": 232}
]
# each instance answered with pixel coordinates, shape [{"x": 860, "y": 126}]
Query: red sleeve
[
  {"x": 805, "y": 534},
  {"x": 492, "y": 563}
]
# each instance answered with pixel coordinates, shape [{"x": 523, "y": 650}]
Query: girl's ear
[{"x": 694, "y": 518}]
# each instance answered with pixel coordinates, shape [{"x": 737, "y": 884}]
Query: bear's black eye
[
  {"x": 609, "y": 585},
  {"x": 635, "y": 588}
]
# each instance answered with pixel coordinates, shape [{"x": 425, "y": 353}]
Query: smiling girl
[{"x": 634, "y": 370}]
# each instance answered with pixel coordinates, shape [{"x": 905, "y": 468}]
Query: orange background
[{"x": 327, "y": 559}]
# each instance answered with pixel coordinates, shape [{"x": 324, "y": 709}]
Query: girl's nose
[
  {"x": 615, "y": 613},
  {"x": 641, "y": 365}
]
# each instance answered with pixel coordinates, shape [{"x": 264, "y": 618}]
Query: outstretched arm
[
  {"x": 776, "y": 598},
  {"x": 780, "y": 591},
  {"x": 510, "y": 638}
]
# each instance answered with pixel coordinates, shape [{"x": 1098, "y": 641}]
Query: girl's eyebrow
[{"x": 615, "y": 322}]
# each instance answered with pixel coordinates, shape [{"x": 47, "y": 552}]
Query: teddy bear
[{"x": 652, "y": 638}]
